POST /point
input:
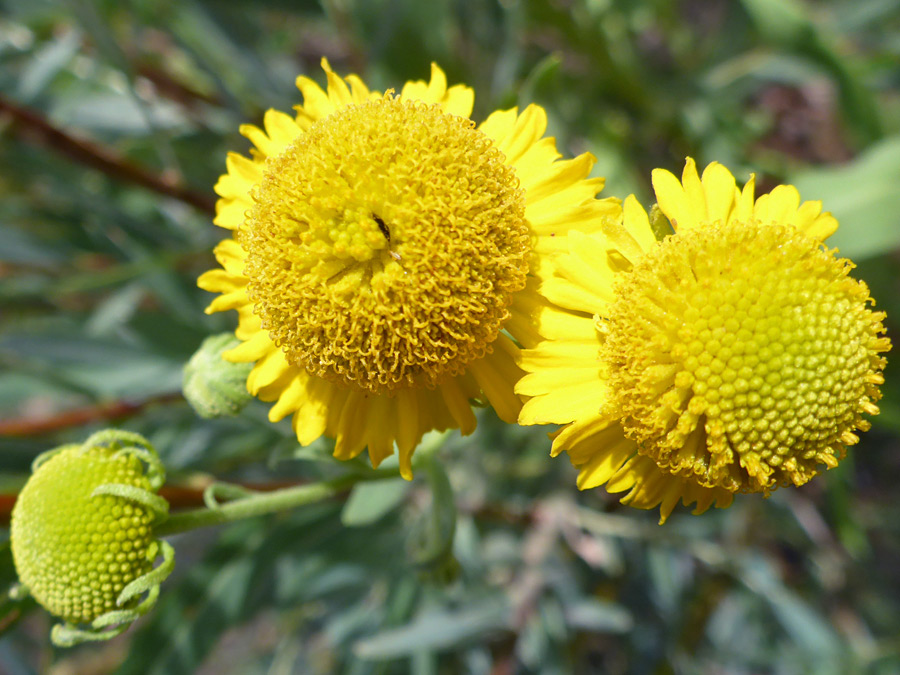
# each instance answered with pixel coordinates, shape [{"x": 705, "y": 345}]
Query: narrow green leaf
[
  {"x": 436, "y": 630},
  {"x": 369, "y": 502}
]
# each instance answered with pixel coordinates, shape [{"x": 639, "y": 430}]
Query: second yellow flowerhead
[
  {"x": 712, "y": 347},
  {"x": 379, "y": 255}
]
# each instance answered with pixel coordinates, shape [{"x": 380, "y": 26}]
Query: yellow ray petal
[
  {"x": 281, "y": 128},
  {"x": 534, "y": 319},
  {"x": 220, "y": 281},
  {"x": 248, "y": 323},
  {"x": 720, "y": 187},
  {"x": 496, "y": 374},
  {"x": 499, "y": 124},
  {"x": 280, "y": 131},
  {"x": 672, "y": 199},
  {"x": 528, "y": 129},
  {"x": 255, "y": 348},
  {"x": 548, "y": 379},
  {"x": 434, "y": 412},
  {"x": 587, "y": 265},
  {"x": 350, "y": 439},
  {"x": 262, "y": 144},
  {"x": 779, "y": 206},
  {"x": 232, "y": 300},
  {"x": 552, "y": 224},
  {"x": 269, "y": 368},
  {"x": 316, "y": 103},
  {"x": 289, "y": 400},
  {"x": 311, "y": 417},
  {"x": 743, "y": 206},
  {"x": 459, "y": 100},
  {"x": 437, "y": 86},
  {"x": 558, "y": 324},
  {"x": 457, "y": 402},
  {"x": 379, "y": 433},
  {"x": 558, "y": 176},
  {"x": 407, "y": 426},
  {"x": 554, "y": 208},
  {"x": 574, "y": 296},
  {"x": 632, "y": 236},
  {"x": 272, "y": 392},
  {"x": 822, "y": 227},
  {"x": 604, "y": 463},
  {"x": 245, "y": 171},
  {"x": 554, "y": 354},
  {"x": 582, "y": 439},
  {"x": 564, "y": 405},
  {"x": 230, "y": 255},
  {"x": 537, "y": 160},
  {"x": 230, "y": 212},
  {"x": 359, "y": 91},
  {"x": 696, "y": 196},
  {"x": 338, "y": 91},
  {"x": 429, "y": 92}
]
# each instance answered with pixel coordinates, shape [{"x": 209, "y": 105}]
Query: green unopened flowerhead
[
  {"x": 733, "y": 353},
  {"x": 82, "y": 529},
  {"x": 215, "y": 387}
]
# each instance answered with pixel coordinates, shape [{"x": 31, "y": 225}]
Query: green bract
[{"x": 82, "y": 534}]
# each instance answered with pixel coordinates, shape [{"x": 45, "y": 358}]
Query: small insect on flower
[
  {"x": 384, "y": 229},
  {"x": 387, "y": 235},
  {"x": 82, "y": 535},
  {"x": 713, "y": 347}
]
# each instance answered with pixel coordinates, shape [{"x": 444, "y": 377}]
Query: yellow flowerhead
[
  {"x": 733, "y": 355},
  {"x": 380, "y": 251}
]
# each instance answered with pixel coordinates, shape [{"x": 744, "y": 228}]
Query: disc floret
[{"x": 82, "y": 534}]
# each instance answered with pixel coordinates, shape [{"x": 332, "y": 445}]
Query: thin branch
[
  {"x": 80, "y": 416},
  {"x": 34, "y": 125},
  {"x": 178, "y": 496},
  {"x": 272, "y": 501}
]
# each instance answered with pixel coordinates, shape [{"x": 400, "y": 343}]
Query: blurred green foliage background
[{"x": 115, "y": 117}]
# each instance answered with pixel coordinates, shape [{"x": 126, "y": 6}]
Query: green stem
[{"x": 267, "y": 502}]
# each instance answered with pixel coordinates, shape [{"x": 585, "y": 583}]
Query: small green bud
[
  {"x": 213, "y": 386},
  {"x": 82, "y": 530}
]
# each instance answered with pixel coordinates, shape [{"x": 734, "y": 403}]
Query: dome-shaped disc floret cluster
[
  {"x": 82, "y": 534},
  {"x": 742, "y": 357},
  {"x": 385, "y": 244},
  {"x": 719, "y": 349}
]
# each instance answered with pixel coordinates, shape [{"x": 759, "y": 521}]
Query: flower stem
[{"x": 268, "y": 502}]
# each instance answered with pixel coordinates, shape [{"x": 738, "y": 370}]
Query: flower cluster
[{"x": 392, "y": 263}]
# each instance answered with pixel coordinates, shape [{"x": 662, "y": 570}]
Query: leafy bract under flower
[
  {"x": 381, "y": 254},
  {"x": 736, "y": 355}
]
